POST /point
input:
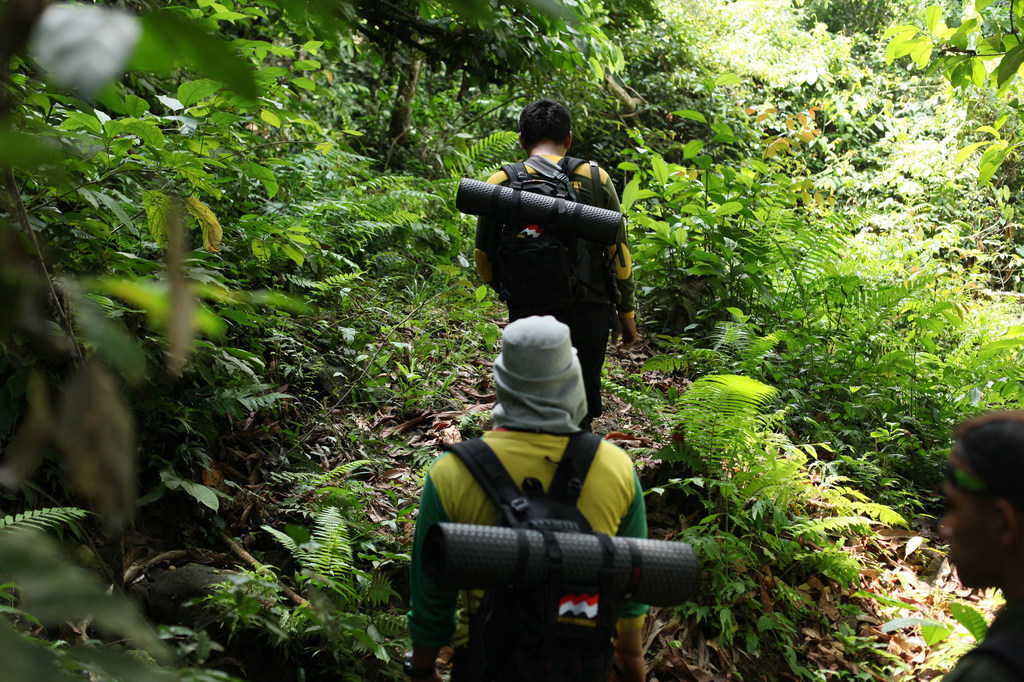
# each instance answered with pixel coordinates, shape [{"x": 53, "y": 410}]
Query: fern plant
[
  {"x": 720, "y": 416},
  {"x": 49, "y": 519}
]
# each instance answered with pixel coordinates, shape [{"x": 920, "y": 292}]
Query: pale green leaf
[
  {"x": 690, "y": 114},
  {"x": 970, "y": 618},
  {"x": 629, "y": 194},
  {"x": 270, "y": 117}
]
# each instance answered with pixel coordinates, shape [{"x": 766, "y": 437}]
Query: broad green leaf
[
  {"x": 990, "y": 162},
  {"x": 922, "y": 51},
  {"x": 1009, "y": 64},
  {"x": 147, "y": 131},
  {"x": 932, "y": 630},
  {"x": 303, "y": 82},
  {"x": 293, "y": 253},
  {"x": 660, "y": 169},
  {"x": 135, "y": 106},
  {"x": 629, "y": 194},
  {"x": 692, "y": 148},
  {"x": 935, "y": 632},
  {"x": 490, "y": 332},
  {"x": 201, "y": 493},
  {"x": 905, "y": 29},
  {"x": 978, "y": 72},
  {"x": 228, "y": 16},
  {"x": 193, "y": 92},
  {"x": 970, "y": 618},
  {"x": 260, "y": 250},
  {"x": 266, "y": 177},
  {"x": 158, "y": 208},
  {"x": 968, "y": 150},
  {"x": 690, "y": 114},
  {"x": 77, "y": 120},
  {"x": 270, "y": 117}
]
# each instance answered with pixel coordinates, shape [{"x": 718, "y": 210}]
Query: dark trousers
[{"x": 589, "y": 328}]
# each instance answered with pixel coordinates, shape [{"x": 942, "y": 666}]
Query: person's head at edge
[
  {"x": 984, "y": 488},
  {"x": 545, "y": 127},
  {"x": 538, "y": 377}
]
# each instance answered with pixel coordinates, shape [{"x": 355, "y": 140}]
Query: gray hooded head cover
[{"x": 540, "y": 384}]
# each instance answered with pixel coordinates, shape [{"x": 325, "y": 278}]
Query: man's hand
[{"x": 629, "y": 335}]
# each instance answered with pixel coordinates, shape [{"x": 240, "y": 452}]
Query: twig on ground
[{"x": 251, "y": 560}]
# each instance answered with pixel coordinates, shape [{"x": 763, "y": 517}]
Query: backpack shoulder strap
[
  {"x": 492, "y": 476},
  {"x": 595, "y": 182},
  {"x": 517, "y": 174},
  {"x": 567, "y": 482},
  {"x": 1008, "y": 648}
]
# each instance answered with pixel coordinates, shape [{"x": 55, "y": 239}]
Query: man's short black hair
[
  {"x": 544, "y": 121},
  {"x": 993, "y": 445}
]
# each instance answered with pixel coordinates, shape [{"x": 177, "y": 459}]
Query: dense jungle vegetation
[{"x": 240, "y": 316}]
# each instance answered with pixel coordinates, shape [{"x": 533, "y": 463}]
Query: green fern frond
[
  {"x": 51, "y": 518},
  {"x": 664, "y": 363},
  {"x": 483, "y": 155},
  {"x": 333, "y": 554},
  {"x": 289, "y": 543},
  {"x": 833, "y": 525},
  {"x": 719, "y": 408},
  {"x": 780, "y": 480},
  {"x": 838, "y": 565},
  {"x": 379, "y": 590},
  {"x": 338, "y": 472}
]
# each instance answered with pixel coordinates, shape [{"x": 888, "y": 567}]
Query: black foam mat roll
[
  {"x": 466, "y": 556},
  {"x": 576, "y": 219}
]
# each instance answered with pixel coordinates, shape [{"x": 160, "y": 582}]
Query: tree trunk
[{"x": 401, "y": 114}]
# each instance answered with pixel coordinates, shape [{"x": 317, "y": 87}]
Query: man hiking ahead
[
  {"x": 535, "y": 426},
  {"x": 601, "y": 277}
]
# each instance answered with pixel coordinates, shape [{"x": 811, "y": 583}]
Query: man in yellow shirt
[
  {"x": 540, "y": 404},
  {"x": 546, "y": 135}
]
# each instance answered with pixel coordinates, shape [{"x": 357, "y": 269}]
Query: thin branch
[
  {"x": 18, "y": 209},
  {"x": 251, "y": 560}
]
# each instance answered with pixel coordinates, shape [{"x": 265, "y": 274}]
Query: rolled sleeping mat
[
  {"x": 466, "y": 556},
  {"x": 571, "y": 217}
]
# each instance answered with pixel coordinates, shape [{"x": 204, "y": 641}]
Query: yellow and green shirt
[
  {"x": 486, "y": 243},
  {"x": 611, "y": 500}
]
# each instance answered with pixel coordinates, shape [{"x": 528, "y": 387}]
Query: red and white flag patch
[{"x": 579, "y": 606}]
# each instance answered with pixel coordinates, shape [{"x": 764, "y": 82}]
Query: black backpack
[
  {"x": 559, "y": 632},
  {"x": 539, "y": 269}
]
